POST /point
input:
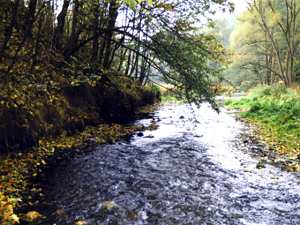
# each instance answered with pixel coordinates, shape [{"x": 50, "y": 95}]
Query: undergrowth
[{"x": 276, "y": 111}]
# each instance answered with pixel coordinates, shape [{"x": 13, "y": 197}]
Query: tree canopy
[
  {"x": 59, "y": 41},
  {"x": 265, "y": 43}
]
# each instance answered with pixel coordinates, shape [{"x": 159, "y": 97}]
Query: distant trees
[
  {"x": 106, "y": 35},
  {"x": 266, "y": 40}
]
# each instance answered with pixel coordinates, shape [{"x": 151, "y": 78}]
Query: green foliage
[
  {"x": 133, "y": 3},
  {"x": 170, "y": 99},
  {"x": 264, "y": 44},
  {"x": 276, "y": 110},
  {"x": 276, "y": 90},
  {"x": 193, "y": 67}
]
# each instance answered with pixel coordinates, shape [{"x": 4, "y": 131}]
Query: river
[{"x": 198, "y": 167}]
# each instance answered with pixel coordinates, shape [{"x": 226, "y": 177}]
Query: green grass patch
[
  {"x": 169, "y": 98},
  {"x": 276, "y": 111}
]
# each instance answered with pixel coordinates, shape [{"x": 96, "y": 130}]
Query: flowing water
[{"x": 196, "y": 168}]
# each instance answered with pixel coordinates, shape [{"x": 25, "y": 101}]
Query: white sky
[{"x": 240, "y": 6}]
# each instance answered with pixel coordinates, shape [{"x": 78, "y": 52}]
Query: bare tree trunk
[
  {"x": 59, "y": 30},
  {"x": 138, "y": 49},
  {"x": 147, "y": 75},
  {"x": 74, "y": 31},
  {"x": 260, "y": 10},
  {"x": 122, "y": 59},
  {"x": 95, "y": 42},
  {"x": 287, "y": 25},
  {"x": 143, "y": 71},
  {"x": 112, "y": 15},
  {"x": 36, "y": 45},
  {"x": 133, "y": 64},
  {"x": 128, "y": 63}
]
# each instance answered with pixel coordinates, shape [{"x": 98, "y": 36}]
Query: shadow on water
[{"x": 194, "y": 169}]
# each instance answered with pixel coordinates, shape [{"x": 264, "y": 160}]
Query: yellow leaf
[
  {"x": 15, "y": 218},
  {"x": 81, "y": 222},
  {"x": 33, "y": 216}
]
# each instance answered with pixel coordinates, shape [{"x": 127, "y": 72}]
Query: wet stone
[{"x": 140, "y": 134}]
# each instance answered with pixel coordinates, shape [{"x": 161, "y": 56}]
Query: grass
[
  {"x": 276, "y": 112},
  {"x": 169, "y": 99}
]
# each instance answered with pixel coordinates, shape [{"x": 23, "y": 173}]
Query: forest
[
  {"x": 265, "y": 44},
  {"x": 51, "y": 50},
  {"x": 76, "y": 75}
]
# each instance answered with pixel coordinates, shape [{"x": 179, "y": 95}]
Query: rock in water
[
  {"x": 140, "y": 134},
  {"x": 261, "y": 164},
  {"x": 108, "y": 205}
]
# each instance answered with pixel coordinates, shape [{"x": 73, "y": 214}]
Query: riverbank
[
  {"x": 275, "y": 112},
  {"x": 58, "y": 124}
]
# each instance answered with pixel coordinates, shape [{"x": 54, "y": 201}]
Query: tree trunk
[
  {"x": 113, "y": 13},
  {"x": 30, "y": 18},
  {"x": 95, "y": 43},
  {"x": 12, "y": 24},
  {"x": 74, "y": 31},
  {"x": 59, "y": 30},
  {"x": 122, "y": 59},
  {"x": 128, "y": 63},
  {"x": 35, "y": 47}
]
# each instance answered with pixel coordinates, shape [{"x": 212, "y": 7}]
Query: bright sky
[{"x": 240, "y": 6}]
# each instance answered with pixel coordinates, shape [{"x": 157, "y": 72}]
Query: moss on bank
[{"x": 275, "y": 110}]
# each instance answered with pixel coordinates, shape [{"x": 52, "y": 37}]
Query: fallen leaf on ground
[{"x": 33, "y": 216}]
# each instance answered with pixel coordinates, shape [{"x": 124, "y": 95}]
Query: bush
[{"x": 256, "y": 106}]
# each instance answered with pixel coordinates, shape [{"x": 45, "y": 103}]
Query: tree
[
  {"x": 97, "y": 36},
  {"x": 268, "y": 39}
]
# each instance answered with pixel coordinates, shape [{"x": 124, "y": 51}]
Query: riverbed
[{"x": 197, "y": 167}]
